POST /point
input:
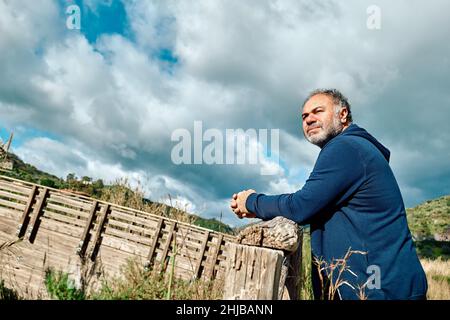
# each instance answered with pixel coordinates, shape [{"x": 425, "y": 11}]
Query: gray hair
[{"x": 338, "y": 99}]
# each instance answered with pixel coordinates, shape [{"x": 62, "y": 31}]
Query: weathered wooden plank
[
  {"x": 9, "y": 226},
  {"x": 211, "y": 274},
  {"x": 14, "y": 196},
  {"x": 134, "y": 229},
  {"x": 200, "y": 256},
  {"x": 14, "y": 205},
  {"x": 10, "y": 186},
  {"x": 125, "y": 217},
  {"x": 46, "y": 238},
  {"x": 128, "y": 236},
  {"x": 63, "y": 218},
  {"x": 243, "y": 282},
  {"x": 67, "y": 211},
  {"x": 11, "y": 213},
  {"x": 96, "y": 243},
  {"x": 84, "y": 241},
  {"x": 119, "y": 244},
  {"x": 294, "y": 275},
  {"x": 36, "y": 214},
  {"x": 151, "y": 252},
  {"x": 167, "y": 244},
  {"x": 57, "y": 226},
  {"x": 73, "y": 201}
]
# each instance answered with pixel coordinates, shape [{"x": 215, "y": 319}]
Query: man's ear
[{"x": 343, "y": 115}]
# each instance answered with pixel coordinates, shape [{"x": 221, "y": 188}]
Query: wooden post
[
  {"x": 84, "y": 241},
  {"x": 254, "y": 272},
  {"x": 200, "y": 256},
  {"x": 155, "y": 239},
  {"x": 37, "y": 212},
  {"x": 98, "y": 236},
  {"x": 26, "y": 213},
  {"x": 167, "y": 245},
  {"x": 211, "y": 274}
]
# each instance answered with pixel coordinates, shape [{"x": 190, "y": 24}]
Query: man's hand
[{"x": 238, "y": 204}]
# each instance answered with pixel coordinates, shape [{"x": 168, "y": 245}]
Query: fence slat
[
  {"x": 167, "y": 244},
  {"x": 36, "y": 214},
  {"x": 101, "y": 223},
  {"x": 215, "y": 256},
  {"x": 84, "y": 241},
  {"x": 26, "y": 213},
  {"x": 154, "y": 243},
  {"x": 200, "y": 256}
]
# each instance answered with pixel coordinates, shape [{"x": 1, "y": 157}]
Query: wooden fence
[{"x": 66, "y": 231}]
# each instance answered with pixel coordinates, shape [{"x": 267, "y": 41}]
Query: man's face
[{"x": 320, "y": 121}]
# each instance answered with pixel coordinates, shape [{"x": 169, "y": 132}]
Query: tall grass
[
  {"x": 438, "y": 276},
  {"x": 122, "y": 193},
  {"x": 136, "y": 283},
  {"x": 306, "y": 292}
]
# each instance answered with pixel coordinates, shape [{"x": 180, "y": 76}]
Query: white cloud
[{"x": 242, "y": 64}]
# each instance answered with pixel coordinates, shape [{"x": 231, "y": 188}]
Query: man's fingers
[
  {"x": 233, "y": 204},
  {"x": 234, "y": 196}
]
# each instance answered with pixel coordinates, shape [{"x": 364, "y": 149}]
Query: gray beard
[{"x": 321, "y": 139}]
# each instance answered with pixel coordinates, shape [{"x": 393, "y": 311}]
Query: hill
[
  {"x": 429, "y": 223},
  {"x": 431, "y": 220}
]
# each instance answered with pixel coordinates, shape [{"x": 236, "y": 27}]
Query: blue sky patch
[{"x": 102, "y": 17}]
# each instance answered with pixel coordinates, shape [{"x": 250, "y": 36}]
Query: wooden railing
[
  {"x": 79, "y": 235},
  {"x": 65, "y": 231}
]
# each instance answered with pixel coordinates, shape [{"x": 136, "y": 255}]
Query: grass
[
  {"x": 306, "y": 292},
  {"x": 438, "y": 276},
  {"x": 135, "y": 283},
  {"x": 60, "y": 287}
]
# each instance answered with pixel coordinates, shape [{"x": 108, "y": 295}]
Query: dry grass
[
  {"x": 334, "y": 279},
  {"x": 137, "y": 283},
  {"x": 123, "y": 194},
  {"x": 438, "y": 276}
]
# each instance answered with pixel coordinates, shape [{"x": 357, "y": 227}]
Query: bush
[{"x": 59, "y": 286}]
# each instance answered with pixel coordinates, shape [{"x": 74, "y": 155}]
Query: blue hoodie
[{"x": 351, "y": 200}]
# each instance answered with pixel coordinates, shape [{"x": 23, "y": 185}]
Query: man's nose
[{"x": 310, "y": 120}]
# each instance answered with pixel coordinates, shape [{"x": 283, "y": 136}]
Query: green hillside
[
  {"x": 429, "y": 223},
  {"x": 430, "y": 219}
]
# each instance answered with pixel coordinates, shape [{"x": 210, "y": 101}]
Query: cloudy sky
[{"x": 104, "y": 100}]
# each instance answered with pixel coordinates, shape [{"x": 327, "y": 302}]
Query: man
[{"x": 351, "y": 201}]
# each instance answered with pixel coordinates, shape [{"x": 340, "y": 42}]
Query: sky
[{"x": 105, "y": 99}]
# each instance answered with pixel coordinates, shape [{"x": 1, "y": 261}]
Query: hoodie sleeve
[{"x": 338, "y": 173}]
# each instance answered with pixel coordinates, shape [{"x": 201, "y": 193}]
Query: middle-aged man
[{"x": 351, "y": 201}]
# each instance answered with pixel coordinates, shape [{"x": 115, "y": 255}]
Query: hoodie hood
[{"x": 354, "y": 130}]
